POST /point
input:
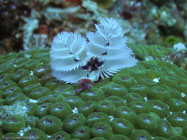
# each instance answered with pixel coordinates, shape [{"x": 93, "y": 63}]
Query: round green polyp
[
  {"x": 173, "y": 92},
  {"x": 73, "y": 121},
  {"x": 32, "y": 64},
  {"x": 131, "y": 96},
  {"x": 176, "y": 105},
  {"x": 62, "y": 89},
  {"x": 140, "y": 89},
  {"x": 28, "y": 80},
  {"x": 139, "y": 107},
  {"x": 113, "y": 89},
  {"x": 177, "y": 138},
  {"x": 13, "y": 124},
  {"x": 101, "y": 129},
  {"x": 159, "y": 108},
  {"x": 6, "y": 68},
  {"x": 45, "y": 78},
  {"x": 163, "y": 129},
  {"x": 184, "y": 132},
  {"x": 7, "y": 84},
  {"x": 31, "y": 121},
  {"x": 43, "y": 109},
  {"x": 28, "y": 89},
  {"x": 35, "y": 133},
  {"x": 116, "y": 100},
  {"x": 106, "y": 107},
  {"x": 95, "y": 117},
  {"x": 93, "y": 95},
  {"x": 87, "y": 107},
  {"x": 52, "y": 84},
  {"x": 15, "y": 97},
  {"x": 39, "y": 92},
  {"x": 69, "y": 93},
  {"x": 147, "y": 82},
  {"x": 140, "y": 134},
  {"x": 178, "y": 119},
  {"x": 41, "y": 70},
  {"x": 52, "y": 98},
  {"x": 60, "y": 135},
  {"x": 146, "y": 122},
  {"x": 124, "y": 79},
  {"x": 168, "y": 82},
  {"x": 60, "y": 109},
  {"x": 19, "y": 74},
  {"x": 119, "y": 137},
  {"x": 11, "y": 90},
  {"x": 125, "y": 112},
  {"x": 73, "y": 101},
  {"x": 31, "y": 109},
  {"x": 182, "y": 87},
  {"x": 4, "y": 77},
  {"x": 121, "y": 126},
  {"x": 49, "y": 124},
  {"x": 82, "y": 132},
  {"x": 158, "y": 93}
]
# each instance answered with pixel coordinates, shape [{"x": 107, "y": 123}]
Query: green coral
[{"x": 149, "y": 99}]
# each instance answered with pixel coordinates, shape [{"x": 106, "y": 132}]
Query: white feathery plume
[
  {"x": 68, "y": 53},
  {"x": 108, "y": 44},
  {"x": 72, "y": 58}
]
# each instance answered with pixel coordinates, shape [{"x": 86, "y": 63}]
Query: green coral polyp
[
  {"x": 28, "y": 80},
  {"x": 164, "y": 104},
  {"x": 139, "y": 107},
  {"x": 82, "y": 132},
  {"x": 73, "y": 101},
  {"x": 11, "y": 90},
  {"x": 178, "y": 119},
  {"x": 125, "y": 112},
  {"x": 95, "y": 117},
  {"x": 93, "y": 95},
  {"x": 60, "y": 135},
  {"x": 50, "y": 124},
  {"x": 60, "y": 110},
  {"x": 124, "y": 79},
  {"x": 19, "y": 74},
  {"x": 116, "y": 100},
  {"x": 140, "y": 134},
  {"x": 140, "y": 89},
  {"x": 131, "y": 96},
  {"x": 87, "y": 107},
  {"x": 101, "y": 129},
  {"x": 41, "y": 70},
  {"x": 43, "y": 109},
  {"x": 39, "y": 92},
  {"x": 177, "y": 105},
  {"x": 13, "y": 124},
  {"x": 106, "y": 107},
  {"x": 35, "y": 133},
  {"x": 146, "y": 122},
  {"x": 121, "y": 126},
  {"x": 73, "y": 121},
  {"x": 159, "y": 107},
  {"x": 113, "y": 89}
]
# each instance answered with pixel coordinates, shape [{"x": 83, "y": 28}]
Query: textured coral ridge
[
  {"x": 72, "y": 58},
  {"x": 147, "y": 101}
]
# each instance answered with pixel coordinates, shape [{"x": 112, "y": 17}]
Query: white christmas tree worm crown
[{"x": 72, "y": 58}]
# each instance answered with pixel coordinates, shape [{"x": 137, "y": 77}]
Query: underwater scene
[{"x": 93, "y": 70}]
